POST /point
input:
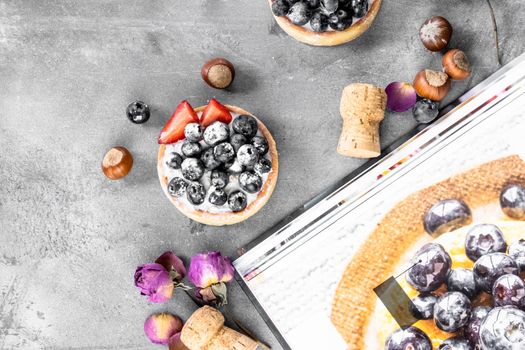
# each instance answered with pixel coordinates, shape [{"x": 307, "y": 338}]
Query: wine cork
[
  {"x": 205, "y": 330},
  {"x": 362, "y": 109}
]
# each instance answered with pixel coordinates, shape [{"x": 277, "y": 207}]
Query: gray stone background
[{"x": 70, "y": 239}]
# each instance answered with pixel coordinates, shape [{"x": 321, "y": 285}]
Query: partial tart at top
[
  {"x": 218, "y": 164},
  {"x": 325, "y": 22}
]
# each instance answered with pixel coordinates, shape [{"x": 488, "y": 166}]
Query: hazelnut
[
  {"x": 435, "y": 33},
  {"x": 218, "y": 73},
  {"x": 117, "y": 163},
  {"x": 432, "y": 84},
  {"x": 456, "y": 64}
]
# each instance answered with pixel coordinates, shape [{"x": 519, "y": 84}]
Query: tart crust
[
  {"x": 400, "y": 231},
  {"x": 329, "y": 38},
  {"x": 229, "y": 218}
]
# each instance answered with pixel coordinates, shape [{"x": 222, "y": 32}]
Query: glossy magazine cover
[{"x": 317, "y": 277}]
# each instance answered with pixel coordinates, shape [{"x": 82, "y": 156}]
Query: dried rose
[
  {"x": 210, "y": 268},
  {"x": 209, "y": 272},
  {"x": 154, "y": 281},
  {"x": 176, "y": 344},
  {"x": 159, "y": 328},
  {"x": 173, "y": 264}
]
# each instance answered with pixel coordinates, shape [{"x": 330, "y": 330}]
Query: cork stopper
[
  {"x": 362, "y": 109},
  {"x": 205, "y": 330}
]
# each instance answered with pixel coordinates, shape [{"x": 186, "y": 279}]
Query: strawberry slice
[
  {"x": 173, "y": 131},
  {"x": 215, "y": 112}
]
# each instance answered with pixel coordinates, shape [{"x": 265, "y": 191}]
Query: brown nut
[
  {"x": 432, "y": 84},
  {"x": 117, "y": 163},
  {"x": 435, "y": 33},
  {"x": 218, "y": 73},
  {"x": 456, "y": 64}
]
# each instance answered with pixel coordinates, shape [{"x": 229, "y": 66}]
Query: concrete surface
[{"x": 70, "y": 239}]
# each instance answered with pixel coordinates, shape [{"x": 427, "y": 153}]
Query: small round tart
[
  {"x": 306, "y": 35},
  {"x": 357, "y": 313},
  {"x": 219, "y": 215}
]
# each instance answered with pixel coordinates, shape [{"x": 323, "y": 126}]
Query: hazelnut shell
[
  {"x": 117, "y": 163},
  {"x": 431, "y": 84},
  {"x": 218, "y": 73},
  {"x": 456, "y": 64},
  {"x": 435, "y": 33}
]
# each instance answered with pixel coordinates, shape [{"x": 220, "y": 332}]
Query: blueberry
[
  {"x": 425, "y": 111},
  {"x": 191, "y": 149},
  {"x": 224, "y": 152},
  {"x": 299, "y": 15},
  {"x": 490, "y": 267},
  {"x": 447, "y": 215},
  {"x": 411, "y": 338},
  {"x": 208, "y": 159},
  {"x": 216, "y": 133},
  {"x": 512, "y": 201},
  {"x": 455, "y": 343},
  {"x": 509, "y": 290},
  {"x": 517, "y": 252},
  {"x": 451, "y": 311},
  {"x": 430, "y": 267},
  {"x": 193, "y": 132},
  {"x": 196, "y": 193},
  {"x": 247, "y": 155},
  {"x": 174, "y": 161},
  {"x": 422, "y": 306},
  {"x": 262, "y": 166},
  {"x": 237, "y": 201},
  {"x": 280, "y": 7},
  {"x": 462, "y": 280},
  {"x": 192, "y": 169},
  {"x": 483, "y": 239},
  {"x": 219, "y": 179},
  {"x": 177, "y": 187},
  {"x": 250, "y": 182},
  {"x": 138, "y": 112},
  {"x": 260, "y": 144},
  {"x": 503, "y": 329},
  {"x": 471, "y": 331},
  {"x": 234, "y": 167},
  {"x": 359, "y": 7},
  {"x": 237, "y": 140},
  {"x": 218, "y": 197},
  {"x": 330, "y": 6},
  {"x": 319, "y": 22},
  {"x": 245, "y": 125},
  {"x": 340, "y": 20}
]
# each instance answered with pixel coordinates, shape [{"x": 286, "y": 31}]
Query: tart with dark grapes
[
  {"x": 458, "y": 248},
  {"x": 218, "y": 164},
  {"x": 325, "y": 22}
]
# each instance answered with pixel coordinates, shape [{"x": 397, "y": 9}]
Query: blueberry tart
[
  {"x": 218, "y": 164},
  {"x": 456, "y": 249},
  {"x": 325, "y": 22}
]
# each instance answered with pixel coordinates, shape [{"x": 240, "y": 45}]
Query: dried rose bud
[
  {"x": 176, "y": 344},
  {"x": 210, "y": 268},
  {"x": 154, "y": 281},
  {"x": 159, "y": 328},
  {"x": 173, "y": 264}
]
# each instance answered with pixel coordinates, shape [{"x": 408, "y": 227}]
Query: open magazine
[{"x": 314, "y": 277}]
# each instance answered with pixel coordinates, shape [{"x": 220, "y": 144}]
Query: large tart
[
  {"x": 359, "y": 315},
  {"x": 328, "y": 37},
  {"x": 233, "y": 201}
]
